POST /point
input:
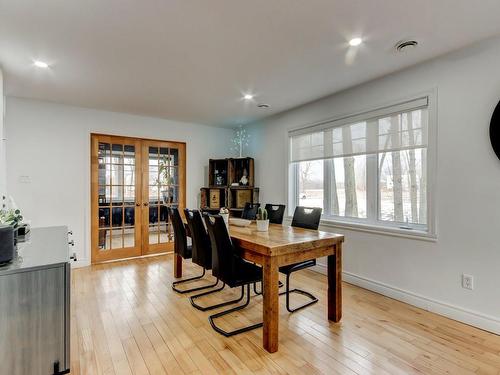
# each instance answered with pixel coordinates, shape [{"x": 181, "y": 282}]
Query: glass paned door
[
  {"x": 116, "y": 213},
  {"x": 161, "y": 189},
  {"x": 133, "y": 182}
]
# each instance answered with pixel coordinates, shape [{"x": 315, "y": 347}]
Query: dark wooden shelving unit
[{"x": 223, "y": 175}]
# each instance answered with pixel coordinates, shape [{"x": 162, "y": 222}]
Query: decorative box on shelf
[{"x": 213, "y": 197}]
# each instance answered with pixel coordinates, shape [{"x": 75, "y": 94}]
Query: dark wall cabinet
[{"x": 226, "y": 188}]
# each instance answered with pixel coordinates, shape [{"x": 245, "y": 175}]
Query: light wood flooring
[{"x": 127, "y": 320}]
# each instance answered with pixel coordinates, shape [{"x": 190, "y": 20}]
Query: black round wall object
[{"x": 495, "y": 130}]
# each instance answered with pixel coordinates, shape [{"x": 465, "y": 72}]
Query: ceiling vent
[
  {"x": 406, "y": 45},
  {"x": 263, "y": 105}
]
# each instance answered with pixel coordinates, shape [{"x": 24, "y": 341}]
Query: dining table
[{"x": 279, "y": 246}]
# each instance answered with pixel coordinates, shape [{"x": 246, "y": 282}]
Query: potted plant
[
  {"x": 13, "y": 218},
  {"x": 262, "y": 220}
]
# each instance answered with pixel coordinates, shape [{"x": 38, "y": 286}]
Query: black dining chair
[
  {"x": 202, "y": 245},
  {"x": 275, "y": 213},
  {"x": 231, "y": 269},
  {"x": 184, "y": 250},
  {"x": 250, "y": 211},
  {"x": 308, "y": 218}
]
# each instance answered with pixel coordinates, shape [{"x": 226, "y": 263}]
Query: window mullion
[
  {"x": 371, "y": 188},
  {"x": 327, "y": 170},
  {"x": 372, "y": 173}
]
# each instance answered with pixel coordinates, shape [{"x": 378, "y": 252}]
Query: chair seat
[
  {"x": 247, "y": 273},
  {"x": 288, "y": 269}
]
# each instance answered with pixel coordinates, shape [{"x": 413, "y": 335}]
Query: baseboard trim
[
  {"x": 473, "y": 318},
  {"x": 80, "y": 263}
]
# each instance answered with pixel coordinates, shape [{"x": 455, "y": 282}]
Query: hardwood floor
[{"x": 127, "y": 320}]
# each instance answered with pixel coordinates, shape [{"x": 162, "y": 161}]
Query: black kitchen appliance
[{"x": 6, "y": 244}]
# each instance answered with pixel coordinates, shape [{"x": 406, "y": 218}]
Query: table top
[
  {"x": 281, "y": 239},
  {"x": 44, "y": 247}
]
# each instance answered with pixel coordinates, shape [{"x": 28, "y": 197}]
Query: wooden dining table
[{"x": 279, "y": 246}]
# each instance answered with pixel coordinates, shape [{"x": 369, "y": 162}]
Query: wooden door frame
[{"x": 94, "y": 193}]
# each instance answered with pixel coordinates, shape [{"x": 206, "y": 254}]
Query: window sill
[{"x": 369, "y": 228}]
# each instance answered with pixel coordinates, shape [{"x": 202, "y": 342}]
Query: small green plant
[
  {"x": 262, "y": 214},
  {"x": 11, "y": 217},
  {"x": 165, "y": 171}
]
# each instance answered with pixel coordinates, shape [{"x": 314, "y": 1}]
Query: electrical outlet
[{"x": 467, "y": 281}]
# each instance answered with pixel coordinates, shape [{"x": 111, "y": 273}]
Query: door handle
[
  {"x": 137, "y": 204},
  {"x": 146, "y": 204}
]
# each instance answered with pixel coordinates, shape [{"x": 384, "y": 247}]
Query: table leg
[
  {"x": 177, "y": 266},
  {"x": 335, "y": 284},
  {"x": 271, "y": 304}
]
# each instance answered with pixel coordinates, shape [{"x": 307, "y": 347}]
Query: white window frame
[{"x": 416, "y": 231}]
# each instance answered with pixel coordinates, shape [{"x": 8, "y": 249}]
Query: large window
[{"x": 369, "y": 169}]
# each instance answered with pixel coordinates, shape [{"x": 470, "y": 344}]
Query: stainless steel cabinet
[{"x": 35, "y": 306}]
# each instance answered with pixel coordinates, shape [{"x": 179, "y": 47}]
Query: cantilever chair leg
[
  {"x": 211, "y": 318},
  {"x": 257, "y": 293},
  {"x": 175, "y": 283},
  {"x": 287, "y": 293},
  {"x": 211, "y": 307}
]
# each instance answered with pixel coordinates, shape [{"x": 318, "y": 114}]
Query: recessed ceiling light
[
  {"x": 354, "y": 42},
  {"x": 40, "y": 64},
  {"x": 248, "y": 96}
]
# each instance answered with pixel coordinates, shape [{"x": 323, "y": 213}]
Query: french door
[{"x": 133, "y": 181}]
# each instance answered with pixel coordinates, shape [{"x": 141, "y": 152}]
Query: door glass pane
[
  {"x": 129, "y": 195},
  {"x": 153, "y": 234},
  {"x": 128, "y": 237},
  {"x": 104, "y": 195},
  {"x": 129, "y": 216},
  {"x": 103, "y": 153},
  {"x": 117, "y": 174},
  {"x": 117, "y": 154},
  {"x": 153, "y": 194},
  {"x": 117, "y": 195},
  {"x": 153, "y": 214},
  {"x": 104, "y": 240},
  {"x": 117, "y": 218},
  {"x": 116, "y": 239},
  {"x": 104, "y": 175},
  {"x": 164, "y": 235},
  {"x": 104, "y": 217},
  {"x": 129, "y": 154},
  {"x": 174, "y": 157},
  {"x": 129, "y": 175}
]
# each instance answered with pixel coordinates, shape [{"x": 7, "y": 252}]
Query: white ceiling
[{"x": 192, "y": 59}]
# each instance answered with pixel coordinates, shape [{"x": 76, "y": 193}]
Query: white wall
[
  {"x": 50, "y": 143},
  {"x": 427, "y": 274},
  {"x": 3, "y": 169}
]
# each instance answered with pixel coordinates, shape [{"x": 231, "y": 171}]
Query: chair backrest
[
  {"x": 223, "y": 252},
  {"x": 180, "y": 238},
  {"x": 202, "y": 251},
  {"x": 275, "y": 213},
  {"x": 250, "y": 211},
  {"x": 307, "y": 217}
]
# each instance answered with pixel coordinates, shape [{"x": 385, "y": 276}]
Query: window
[{"x": 369, "y": 169}]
